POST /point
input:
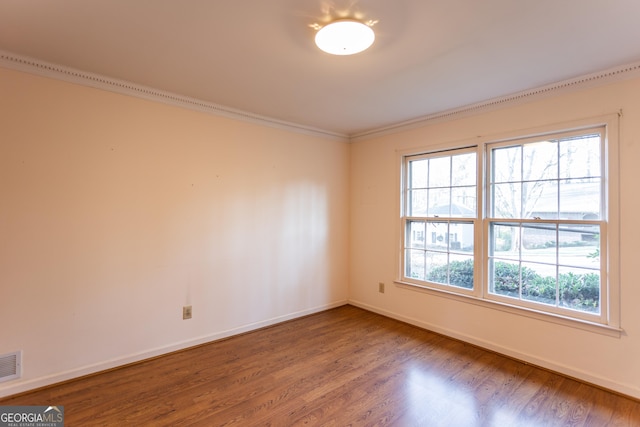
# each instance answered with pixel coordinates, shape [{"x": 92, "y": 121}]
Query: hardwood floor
[{"x": 345, "y": 366}]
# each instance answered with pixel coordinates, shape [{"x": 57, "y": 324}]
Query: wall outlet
[
  {"x": 381, "y": 287},
  {"x": 186, "y": 312}
]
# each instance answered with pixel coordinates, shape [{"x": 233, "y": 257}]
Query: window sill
[{"x": 520, "y": 311}]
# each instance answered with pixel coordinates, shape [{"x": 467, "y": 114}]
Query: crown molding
[
  {"x": 72, "y": 75},
  {"x": 610, "y": 75},
  {"x": 46, "y": 69}
]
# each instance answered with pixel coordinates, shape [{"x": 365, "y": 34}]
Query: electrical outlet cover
[{"x": 186, "y": 312}]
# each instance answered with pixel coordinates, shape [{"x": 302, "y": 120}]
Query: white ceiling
[{"x": 258, "y": 56}]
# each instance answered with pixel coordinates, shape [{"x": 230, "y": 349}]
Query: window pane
[
  {"x": 506, "y": 200},
  {"x": 507, "y": 164},
  {"x": 505, "y": 241},
  {"x": 540, "y": 199},
  {"x": 461, "y": 237},
  {"x": 463, "y": 202},
  {"x": 414, "y": 264},
  {"x": 439, "y": 200},
  {"x": 539, "y": 283},
  {"x": 579, "y": 246},
  {"x": 440, "y": 172},
  {"x": 580, "y": 199},
  {"x": 417, "y": 203},
  {"x": 540, "y": 161},
  {"x": 461, "y": 271},
  {"x": 579, "y": 289},
  {"x": 464, "y": 170},
  {"x": 504, "y": 277},
  {"x": 415, "y": 234},
  {"x": 437, "y": 235},
  {"x": 580, "y": 157},
  {"x": 539, "y": 242},
  {"x": 437, "y": 267},
  {"x": 418, "y": 173}
]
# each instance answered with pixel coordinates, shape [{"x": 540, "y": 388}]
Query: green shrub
[
  {"x": 576, "y": 291},
  {"x": 580, "y": 291},
  {"x": 460, "y": 274}
]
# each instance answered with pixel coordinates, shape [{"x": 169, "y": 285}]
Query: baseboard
[
  {"x": 629, "y": 390},
  {"x": 9, "y": 389}
]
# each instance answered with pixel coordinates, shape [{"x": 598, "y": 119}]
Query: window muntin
[
  {"x": 554, "y": 194},
  {"x": 440, "y": 215}
]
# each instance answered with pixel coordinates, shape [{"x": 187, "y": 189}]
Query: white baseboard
[
  {"x": 618, "y": 387},
  {"x": 32, "y": 384}
]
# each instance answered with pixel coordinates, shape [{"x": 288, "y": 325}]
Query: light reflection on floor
[
  {"x": 425, "y": 392},
  {"x": 436, "y": 401}
]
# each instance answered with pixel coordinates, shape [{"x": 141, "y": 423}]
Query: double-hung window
[
  {"x": 523, "y": 222},
  {"x": 441, "y": 205}
]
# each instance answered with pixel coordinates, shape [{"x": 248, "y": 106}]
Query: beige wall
[
  {"x": 116, "y": 211},
  {"x": 610, "y": 361}
]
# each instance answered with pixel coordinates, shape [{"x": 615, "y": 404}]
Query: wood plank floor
[{"x": 341, "y": 367}]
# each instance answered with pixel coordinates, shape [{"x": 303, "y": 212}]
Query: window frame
[{"x": 608, "y": 321}]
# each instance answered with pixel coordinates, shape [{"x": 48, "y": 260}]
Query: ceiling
[{"x": 258, "y": 56}]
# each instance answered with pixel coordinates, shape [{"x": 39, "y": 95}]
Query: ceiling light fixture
[{"x": 345, "y": 37}]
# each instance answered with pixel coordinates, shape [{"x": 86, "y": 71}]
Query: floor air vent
[{"x": 10, "y": 366}]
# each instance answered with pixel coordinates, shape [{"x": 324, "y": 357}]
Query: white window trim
[{"x": 611, "y": 324}]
